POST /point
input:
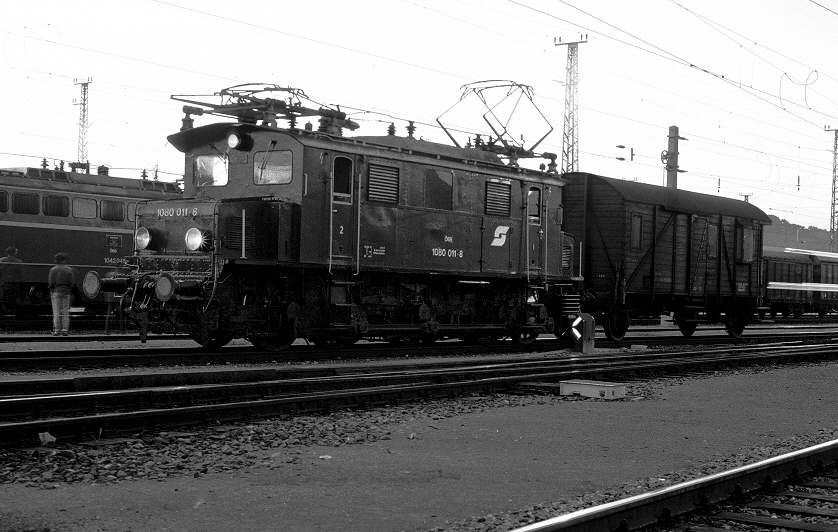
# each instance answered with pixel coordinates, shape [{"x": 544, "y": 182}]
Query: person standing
[
  {"x": 11, "y": 273},
  {"x": 61, "y": 282}
]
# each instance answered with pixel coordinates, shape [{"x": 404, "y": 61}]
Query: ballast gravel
[{"x": 290, "y": 447}]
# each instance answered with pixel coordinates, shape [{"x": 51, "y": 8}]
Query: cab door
[
  {"x": 535, "y": 230},
  {"x": 343, "y": 212}
]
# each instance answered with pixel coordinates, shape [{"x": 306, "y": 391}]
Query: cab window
[
  {"x": 210, "y": 170},
  {"x": 534, "y": 204},
  {"x": 342, "y": 180},
  {"x": 272, "y": 167}
]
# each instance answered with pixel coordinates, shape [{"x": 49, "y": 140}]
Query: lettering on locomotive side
[
  {"x": 115, "y": 261},
  {"x": 447, "y": 253},
  {"x": 170, "y": 212},
  {"x": 373, "y": 251}
]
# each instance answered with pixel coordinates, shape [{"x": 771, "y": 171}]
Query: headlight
[
  {"x": 92, "y": 284},
  {"x": 194, "y": 239},
  {"x": 142, "y": 238},
  {"x": 164, "y": 287},
  {"x": 239, "y": 141}
]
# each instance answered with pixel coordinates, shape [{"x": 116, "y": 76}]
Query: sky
[{"x": 751, "y": 84}]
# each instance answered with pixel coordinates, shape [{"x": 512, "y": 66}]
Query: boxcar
[
  {"x": 88, "y": 216},
  {"x": 648, "y": 249}
]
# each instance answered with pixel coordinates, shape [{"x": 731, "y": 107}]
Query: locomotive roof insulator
[
  {"x": 552, "y": 168},
  {"x": 188, "y": 122}
]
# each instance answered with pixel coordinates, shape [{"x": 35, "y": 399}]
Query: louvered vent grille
[
  {"x": 570, "y": 304},
  {"x": 383, "y": 184},
  {"x": 567, "y": 256},
  {"x": 234, "y": 234},
  {"x": 498, "y": 198}
]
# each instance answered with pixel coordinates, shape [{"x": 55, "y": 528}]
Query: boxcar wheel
[
  {"x": 734, "y": 326},
  {"x": 616, "y": 325},
  {"x": 687, "y": 328}
]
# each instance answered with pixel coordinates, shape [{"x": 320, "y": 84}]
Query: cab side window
[
  {"x": 534, "y": 204},
  {"x": 342, "y": 180}
]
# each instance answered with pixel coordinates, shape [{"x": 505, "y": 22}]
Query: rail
[{"x": 639, "y": 511}]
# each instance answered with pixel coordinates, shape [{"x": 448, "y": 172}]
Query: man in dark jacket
[
  {"x": 11, "y": 273},
  {"x": 61, "y": 282}
]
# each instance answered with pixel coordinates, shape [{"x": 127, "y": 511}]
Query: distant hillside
[{"x": 784, "y": 234}]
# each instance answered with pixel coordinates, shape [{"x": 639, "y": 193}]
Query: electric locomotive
[
  {"x": 289, "y": 232},
  {"x": 90, "y": 216}
]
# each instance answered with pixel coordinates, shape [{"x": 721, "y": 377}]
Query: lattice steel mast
[
  {"x": 570, "y": 137},
  {"x": 83, "y": 122},
  {"x": 833, "y": 215}
]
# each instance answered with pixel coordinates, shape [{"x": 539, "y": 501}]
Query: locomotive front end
[{"x": 171, "y": 276}]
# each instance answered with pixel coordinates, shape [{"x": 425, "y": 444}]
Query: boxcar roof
[{"x": 679, "y": 200}]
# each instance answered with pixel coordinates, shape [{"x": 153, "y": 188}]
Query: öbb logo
[{"x": 500, "y": 235}]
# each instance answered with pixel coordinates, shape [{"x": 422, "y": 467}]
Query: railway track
[
  {"x": 795, "y": 491},
  {"x": 179, "y": 350},
  {"x": 81, "y": 406}
]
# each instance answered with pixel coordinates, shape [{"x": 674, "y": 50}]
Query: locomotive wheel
[
  {"x": 332, "y": 343},
  {"x": 525, "y": 337},
  {"x": 616, "y": 325},
  {"x": 216, "y": 339},
  {"x": 272, "y": 343}
]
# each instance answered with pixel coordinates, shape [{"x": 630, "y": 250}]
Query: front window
[
  {"x": 272, "y": 167},
  {"x": 210, "y": 170}
]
